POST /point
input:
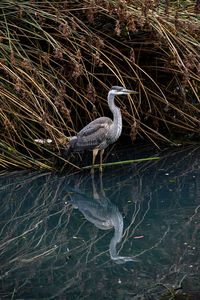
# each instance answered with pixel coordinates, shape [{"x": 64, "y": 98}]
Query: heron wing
[{"x": 93, "y": 134}]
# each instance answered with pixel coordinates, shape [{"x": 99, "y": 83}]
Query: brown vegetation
[{"x": 58, "y": 60}]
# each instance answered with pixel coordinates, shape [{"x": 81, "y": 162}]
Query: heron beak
[{"x": 129, "y": 91}]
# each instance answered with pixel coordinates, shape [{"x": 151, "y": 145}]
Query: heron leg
[
  {"x": 95, "y": 151},
  {"x": 101, "y": 157},
  {"x": 101, "y": 185}
]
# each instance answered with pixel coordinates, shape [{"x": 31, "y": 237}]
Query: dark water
[{"x": 76, "y": 237}]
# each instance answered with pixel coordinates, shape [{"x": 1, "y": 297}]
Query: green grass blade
[{"x": 124, "y": 162}]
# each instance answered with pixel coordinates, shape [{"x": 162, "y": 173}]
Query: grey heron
[
  {"x": 100, "y": 133},
  {"x": 99, "y": 210}
]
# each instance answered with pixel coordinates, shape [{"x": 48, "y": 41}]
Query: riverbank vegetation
[{"x": 58, "y": 60}]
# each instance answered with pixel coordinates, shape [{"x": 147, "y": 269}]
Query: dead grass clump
[{"x": 58, "y": 60}]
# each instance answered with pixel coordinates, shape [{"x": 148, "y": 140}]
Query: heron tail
[
  {"x": 67, "y": 151},
  {"x": 70, "y": 147}
]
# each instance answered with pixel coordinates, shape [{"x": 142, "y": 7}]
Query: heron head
[{"x": 119, "y": 90}]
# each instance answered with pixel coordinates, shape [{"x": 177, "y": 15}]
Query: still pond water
[{"x": 132, "y": 233}]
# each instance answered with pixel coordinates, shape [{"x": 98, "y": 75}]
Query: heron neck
[
  {"x": 117, "y": 116},
  {"x": 118, "y": 227}
]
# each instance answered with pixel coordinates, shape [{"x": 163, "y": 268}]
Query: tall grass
[{"x": 58, "y": 60}]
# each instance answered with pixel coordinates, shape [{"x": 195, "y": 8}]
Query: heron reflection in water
[
  {"x": 102, "y": 132},
  {"x": 104, "y": 215}
]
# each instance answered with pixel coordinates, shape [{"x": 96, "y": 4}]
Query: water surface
[{"x": 132, "y": 233}]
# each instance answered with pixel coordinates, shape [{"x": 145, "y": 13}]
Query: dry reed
[{"x": 59, "y": 59}]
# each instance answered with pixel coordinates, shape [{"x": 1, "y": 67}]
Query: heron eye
[{"x": 116, "y": 88}]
